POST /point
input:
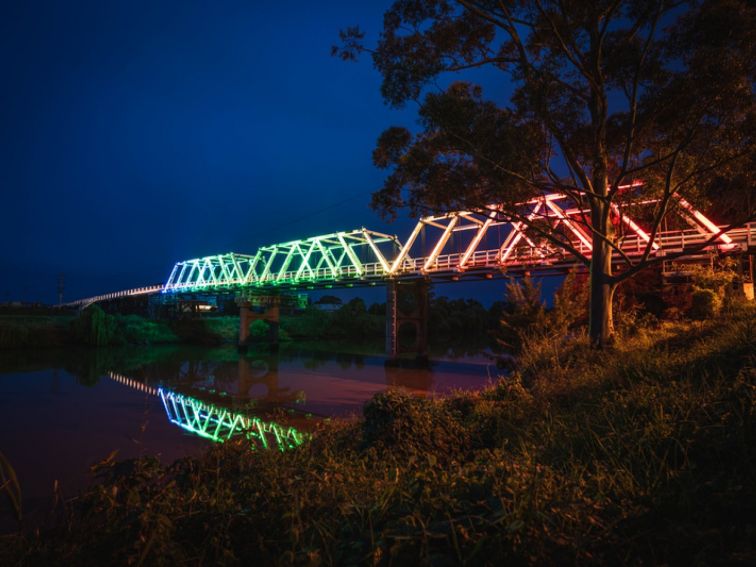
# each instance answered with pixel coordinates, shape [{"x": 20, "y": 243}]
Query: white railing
[{"x": 146, "y": 290}]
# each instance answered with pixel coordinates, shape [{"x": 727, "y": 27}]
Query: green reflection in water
[{"x": 221, "y": 424}]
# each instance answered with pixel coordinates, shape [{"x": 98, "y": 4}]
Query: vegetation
[
  {"x": 589, "y": 97},
  {"x": 643, "y": 454},
  {"x": 23, "y": 331},
  {"x": 464, "y": 320}
]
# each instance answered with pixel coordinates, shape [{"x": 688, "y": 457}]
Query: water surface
[{"x": 66, "y": 410}]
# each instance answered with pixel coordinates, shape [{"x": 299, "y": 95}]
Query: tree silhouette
[{"x": 604, "y": 94}]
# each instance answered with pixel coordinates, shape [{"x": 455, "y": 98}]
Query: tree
[{"x": 604, "y": 93}]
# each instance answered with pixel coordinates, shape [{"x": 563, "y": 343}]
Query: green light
[
  {"x": 219, "y": 424},
  {"x": 325, "y": 258}
]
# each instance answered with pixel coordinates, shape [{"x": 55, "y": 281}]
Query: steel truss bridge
[
  {"x": 217, "y": 423},
  {"x": 446, "y": 247}
]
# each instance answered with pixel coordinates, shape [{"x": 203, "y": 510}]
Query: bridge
[{"x": 463, "y": 244}]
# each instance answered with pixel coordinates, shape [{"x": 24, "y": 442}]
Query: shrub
[
  {"x": 407, "y": 425},
  {"x": 706, "y": 304}
]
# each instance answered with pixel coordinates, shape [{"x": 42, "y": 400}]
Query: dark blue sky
[{"x": 136, "y": 134}]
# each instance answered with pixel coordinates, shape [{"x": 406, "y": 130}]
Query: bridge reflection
[
  {"x": 293, "y": 386},
  {"x": 202, "y": 401},
  {"x": 220, "y": 424},
  {"x": 287, "y": 378}
]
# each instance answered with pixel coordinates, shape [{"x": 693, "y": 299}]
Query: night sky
[{"x": 136, "y": 134}]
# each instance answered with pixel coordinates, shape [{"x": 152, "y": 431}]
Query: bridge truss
[
  {"x": 329, "y": 257},
  {"x": 446, "y": 247},
  {"x": 483, "y": 243}
]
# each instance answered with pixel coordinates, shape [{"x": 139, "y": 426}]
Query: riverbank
[
  {"x": 470, "y": 330},
  {"x": 643, "y": 453}
]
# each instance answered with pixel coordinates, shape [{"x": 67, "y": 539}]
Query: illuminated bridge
[
  {"x": 452, "y": 245},
  {"x": 447, "y": 247}
]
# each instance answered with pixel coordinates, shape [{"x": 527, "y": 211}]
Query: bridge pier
[
  {"x": 271, "y": 314},
  {"x": 416, "y": 314}
]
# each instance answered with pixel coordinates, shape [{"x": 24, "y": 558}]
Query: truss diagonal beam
[
  {"x": 700, "y": 220},
  {"x": 517, "y": 233},
  {"x": 441, "y": 242}
]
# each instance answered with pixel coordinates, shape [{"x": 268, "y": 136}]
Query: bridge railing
[{"x": 145, "y": 290}]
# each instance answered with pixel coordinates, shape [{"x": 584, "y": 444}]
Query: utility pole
[{"x": 61, "y": 287}]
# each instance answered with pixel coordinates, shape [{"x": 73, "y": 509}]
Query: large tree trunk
[{"x": 600, "y": 323}]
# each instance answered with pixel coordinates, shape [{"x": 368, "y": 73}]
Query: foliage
[
  {"x": 571, "y": 302},
  {"x": 94, "y": 327},
  {"x": 259, "y": 329},
  {"x": 523, "y": 313},
  {"x": 643, "y": 458},
  {"x": 463, "y": 320},
  {"x": 711, "y": 277},
  {"x": 353, "y": 320},
  {"x": 602, "y": 94},
  {"x": 460, "y": 320},
  {"x": 525, "y": 321},
  {"x": 136, "y": 330},
  {"x": 711, "y": 287},
  {"x": 27, "y": 331},
  {"x": 329, "y": 300},
  {"x": 393, "y": 418},
  {"x": 705, "y": 304}
]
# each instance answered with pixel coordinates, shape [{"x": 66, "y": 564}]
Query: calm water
[{"x": 64, "y": 411}]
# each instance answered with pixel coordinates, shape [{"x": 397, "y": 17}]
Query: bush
[
  {"x": 407, "y": 425},
  {"x": 705, "y": 304}
]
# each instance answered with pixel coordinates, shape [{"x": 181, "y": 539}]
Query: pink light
[
  {"x": 569, "y": 224},
  {"x": 631, "y": 223},
  {"x": 704, "y": 221},
  {"x": 517, "y": 226}
]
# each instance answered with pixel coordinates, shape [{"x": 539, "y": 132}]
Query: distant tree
[
  {"x": 604, "y": 92},
  {"x": 463, "y": 320},
  {"x": 329, "y": 300},
  {"x": 377, "y": 309}
]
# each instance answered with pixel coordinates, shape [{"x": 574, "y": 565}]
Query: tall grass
[
  {"x": 10, "y": 486},
  {"x": 641, "y": 454}
]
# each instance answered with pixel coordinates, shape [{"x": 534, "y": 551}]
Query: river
[{"x": 67, "y": 410}]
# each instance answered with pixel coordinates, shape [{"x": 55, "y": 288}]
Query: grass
[{"x": 641, "y": 454}]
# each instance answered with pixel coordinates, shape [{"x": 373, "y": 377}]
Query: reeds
[{"x": 10, "y": 486}]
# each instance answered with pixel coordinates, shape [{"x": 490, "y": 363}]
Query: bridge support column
[
  {"x": 244, "y": 321},
  {"x": 271, "y": 315},
  {"x": 392, "y": 327},
  {"x": 416, "y": 314}
]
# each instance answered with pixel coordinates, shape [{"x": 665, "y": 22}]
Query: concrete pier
[
  {"x": 406, "y": 304},
  {"x": 268, "y": 311}
]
